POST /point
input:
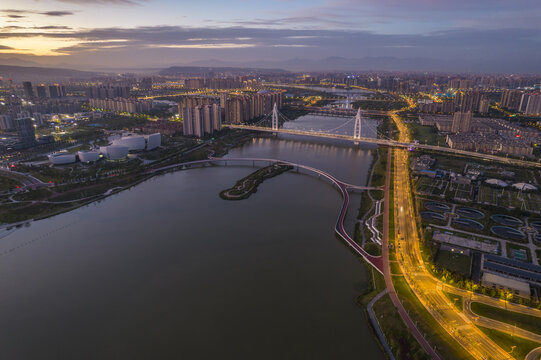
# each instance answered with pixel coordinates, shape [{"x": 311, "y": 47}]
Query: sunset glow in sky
[{"x": 147, "y": 32}]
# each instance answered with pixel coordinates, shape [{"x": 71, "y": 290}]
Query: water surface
[{"x": 168, "y": 270}]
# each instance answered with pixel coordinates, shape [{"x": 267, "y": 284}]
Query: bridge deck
[{"x": 388, "y": 142}]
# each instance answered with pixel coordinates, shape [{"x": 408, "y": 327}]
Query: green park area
[
  {"x": 435, "y": 334},
  {"x": 8, "y": 182},
  {"x": 426, "y": 134},
  {"x": 402, "y": 344},
  {"x": 454, "y": 262}
]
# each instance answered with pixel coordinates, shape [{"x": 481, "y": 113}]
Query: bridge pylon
[
  {"x": 275, "y": 122},
  {"x": 358, "y": 127}
]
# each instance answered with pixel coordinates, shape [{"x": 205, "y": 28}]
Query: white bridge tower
[
  {"x": 275, "y": 122},
  {"x": 358, "y": 126}
]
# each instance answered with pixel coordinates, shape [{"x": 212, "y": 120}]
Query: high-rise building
[
  {"x": 462, "y": 122},
  {"x": 467, "y": 100},
  {"x": 41, "y": 91},
  {"x": 202, "y": 120},
  {"x": 28, "y": 91},
  {"x": 25, "y": 131},
  {"x": 6, "y": 122},
  {"x": 146, "y": 83},
  {"x": 122, "y": 105},
  {"x": 533, "y": 107},
  {"x": 510, "y": 99},
  {"x": 38, "y": 118},
  {"x": 244, "y": 108},
  {"x": 484, "y": 105},
  {"x": 23, "y": 114},
  {"x": 524, "y": 102},
  {"x": 107, "y": 92}
]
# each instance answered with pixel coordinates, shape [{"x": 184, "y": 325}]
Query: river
[{"x": 168, "y": 270}]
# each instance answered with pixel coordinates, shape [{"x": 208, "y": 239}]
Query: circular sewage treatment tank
[
  {"x": 506, "y": 220},
  {"x": 436, "y": 206},
  {"x": 508, "y": 232},
  {"x": 468, "y": 224},
  {"x": 470, "y": 213},
  {"x": 536, "y": 225},
  {"x": 431, "y": 216}
]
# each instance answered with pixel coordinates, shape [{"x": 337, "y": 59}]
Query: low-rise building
[
  {"x": 517, "y": 287},
  {"x": 451, "y": 239}
]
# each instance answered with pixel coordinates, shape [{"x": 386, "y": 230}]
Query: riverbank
[{"x": 55, "y": 199}]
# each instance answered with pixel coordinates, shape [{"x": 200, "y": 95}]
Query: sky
[{"x": 497, "y": 35}]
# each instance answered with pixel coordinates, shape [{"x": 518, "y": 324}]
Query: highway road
[
  {"x": 423, "y": 284},
  {"x": 387, "y": 270}
]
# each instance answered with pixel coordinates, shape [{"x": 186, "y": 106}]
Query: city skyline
[{"x": 492, "y": 36}]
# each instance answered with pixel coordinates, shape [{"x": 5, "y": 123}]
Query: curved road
[
  {"x": 498, "y": 325},
  {"x": 375, "y": 261},
  {"x": 535, "y": 354}
]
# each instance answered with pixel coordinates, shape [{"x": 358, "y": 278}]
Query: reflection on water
[
  {"x": 168, "y": 270},
  {"x": 333, "y": 125}
]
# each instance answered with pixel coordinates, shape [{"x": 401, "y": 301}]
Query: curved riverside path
[
  {"x": 375, "y": 261},
  {"x": 535, "y": 354}
]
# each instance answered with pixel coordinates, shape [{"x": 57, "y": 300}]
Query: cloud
[
  {"x": 160, "y": 43},
  {"x": 57, "y": 13},
  {"x": 4, "y": 47},
  {"x": 52, "y": 27},
  {"x": 16, "y": 13},
  {"x": 104, "y": 2}
]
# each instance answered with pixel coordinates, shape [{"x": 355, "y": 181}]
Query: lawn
[
  {"x": 506, "y": 342},
  {"x": 395, "y": 268},
  {"x": 526, "y": 322},
  {"x": 402, "y": 343},
  {"x": 458, "y": 263},
  {"x": 79, "y": 148},
  {"x": 375, "y": 285},
  {"x": 426, "y": 134},
  {"x": 435, "y": 334},
  {"x": 8, "y": 183}
]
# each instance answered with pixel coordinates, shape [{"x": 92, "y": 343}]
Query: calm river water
[{"x": 168, "y": 270}]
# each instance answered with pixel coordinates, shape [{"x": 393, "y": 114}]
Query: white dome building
[
  {"x": 153, "y": 141},
  {"x": 525, "y": 186},
  {"x": 114, "y": 152},
  {"x": 61, "y": 158},
  {"x": 133, "y": 143},
  {"x": 88, "y": 156},
  {"x": 496, "y": 182}
]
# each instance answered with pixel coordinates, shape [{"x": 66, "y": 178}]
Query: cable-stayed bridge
[{"x": 276, "y": 118}]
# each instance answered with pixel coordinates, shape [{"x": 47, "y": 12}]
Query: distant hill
[
  {"x": 379, "y": 63},
  {"x": 34, "y": 73},
  {"x": 197, "y": 70}
]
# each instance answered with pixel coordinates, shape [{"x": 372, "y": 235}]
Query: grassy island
[{"x": 248, "y": 185}]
